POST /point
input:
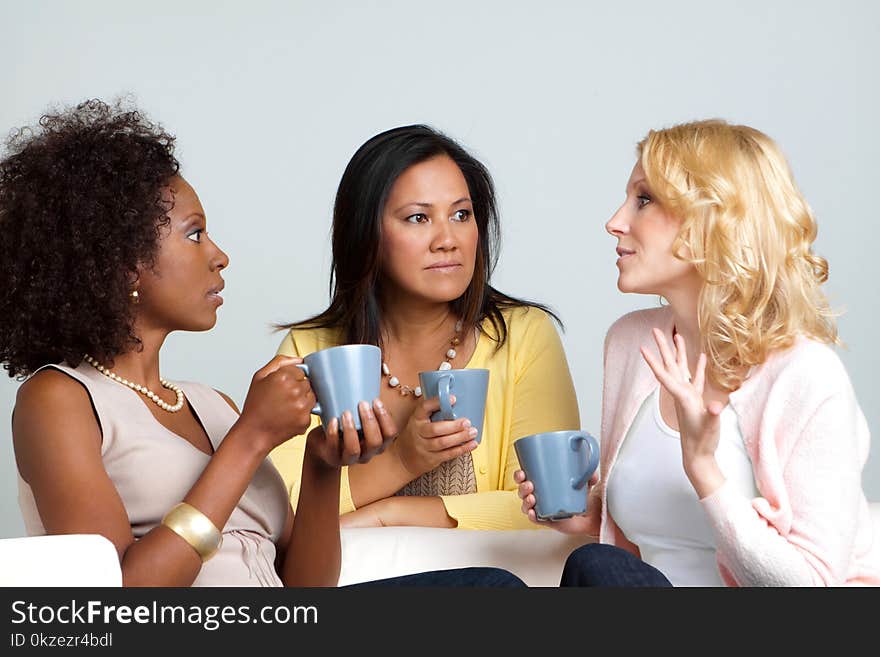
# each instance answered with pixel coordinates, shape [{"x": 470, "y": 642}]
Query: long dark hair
[{"x": 355, "y": 281}]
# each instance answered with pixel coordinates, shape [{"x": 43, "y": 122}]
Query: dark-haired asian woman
[{"x": 415, "y": 230}]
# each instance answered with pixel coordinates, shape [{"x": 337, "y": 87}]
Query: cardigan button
[{"x": 483, "y": 469}]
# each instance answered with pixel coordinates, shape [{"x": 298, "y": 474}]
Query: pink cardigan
[{"x": 808, "y": 441}]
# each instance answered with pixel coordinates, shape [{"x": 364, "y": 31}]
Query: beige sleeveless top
[{"x": 153, "y": 469}]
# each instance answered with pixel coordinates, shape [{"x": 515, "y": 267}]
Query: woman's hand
[
  {"x": 400, "y": 511},
  {"x": 279, "y": 402},
  {"x": 699, "y": 423},
  {"x": 585, "y": 524},
  {"x": 423, "y": 445},
  {"x": 335, "y": 450}
]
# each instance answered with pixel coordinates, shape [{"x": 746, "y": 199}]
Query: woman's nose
[
  {"x": 444, "y": 238},
  {"x": 617, "y": 225}
]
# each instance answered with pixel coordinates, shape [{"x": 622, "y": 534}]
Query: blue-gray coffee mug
[
  {"x": 559, "y": 464},
  {"x": 470, "y": 387},
  {"x": 341, "y": 378}
]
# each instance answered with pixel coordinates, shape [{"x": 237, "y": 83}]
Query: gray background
[{"x": 270, "y": 100}]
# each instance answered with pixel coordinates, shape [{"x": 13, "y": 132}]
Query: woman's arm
[
  {"x": 543, "y": 399},
  {"x": 822, "y": 479},
  {"x": 400, "y": 511},
  {"x": 760, "y": 543},
  {"x": 59, "y": 454},
  {"x": 421, "y": 446},
  {"x": 289, "y": 457},
  {"x": 313, "y": 556}
]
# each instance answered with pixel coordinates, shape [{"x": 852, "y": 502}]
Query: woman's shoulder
[
  {"x": 49, "y": 407},
  {"x": 801, "y": 376},
  {"x": 525, "y": 323},
  {"x": 303, "y": 341},
  {"x": 638, "y": 323},
  {"x": 49, "y": 385},
  {"x": 525, "y": 315},
  {"x": 790, "y": 387},
  {"x": 807, "y": 359}
]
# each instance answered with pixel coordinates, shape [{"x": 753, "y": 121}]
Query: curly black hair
[{"x": 81, "y": 207}]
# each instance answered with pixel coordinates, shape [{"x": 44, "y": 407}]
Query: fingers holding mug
[{"x": 373, "y": 440}]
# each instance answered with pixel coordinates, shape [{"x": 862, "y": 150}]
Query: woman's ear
[{"x": 134, "y": 280}]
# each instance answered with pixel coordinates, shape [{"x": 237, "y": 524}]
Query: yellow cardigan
[{"x": 530, "y": 391}]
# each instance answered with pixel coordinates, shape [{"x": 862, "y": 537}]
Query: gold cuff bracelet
[{"x": 195, "y": 528}]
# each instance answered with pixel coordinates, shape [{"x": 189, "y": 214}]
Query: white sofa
[
  {"x": 536, "y": 556},
  {"x": 60, "y": 560}
]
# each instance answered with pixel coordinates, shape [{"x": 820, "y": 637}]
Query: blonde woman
[{"x": 732, "y": 441}]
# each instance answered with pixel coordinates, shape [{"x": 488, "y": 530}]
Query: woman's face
[
  {"x": 645, "y": 234},
  {"x": 429, "y": 235},
  {"x": 182, "y": 290}
]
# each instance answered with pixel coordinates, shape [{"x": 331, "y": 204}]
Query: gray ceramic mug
[
  {"x": 470, "y": 387},
  {"x": 559, "y": 464},
  {"x": 341, "y": 378}
]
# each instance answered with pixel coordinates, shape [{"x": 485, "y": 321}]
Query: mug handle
[
  {"x": 305, "y": 368},
  {"x": 443, "y": 385},
  {"x": 594, "y": 458}
]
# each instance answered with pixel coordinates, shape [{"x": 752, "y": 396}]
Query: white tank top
[{"x": 655, "y": 505}]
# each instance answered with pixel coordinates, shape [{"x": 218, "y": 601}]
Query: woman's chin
[
  {"x": 205, "y": 323},
  {"x": 623, "y": 286},
  {"x": 628, "y": 287},
  {"x": 445, "y": 294}
]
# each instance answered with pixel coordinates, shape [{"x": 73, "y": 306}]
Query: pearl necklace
[
  {"x": 405, "y": 390},
  {"x": 142, "y": 389}
]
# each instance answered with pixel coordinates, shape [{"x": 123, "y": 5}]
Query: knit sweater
[{"x": 808, "y": 442}]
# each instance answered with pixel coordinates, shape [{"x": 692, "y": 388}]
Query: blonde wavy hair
[{"x": 749, "y": 232}]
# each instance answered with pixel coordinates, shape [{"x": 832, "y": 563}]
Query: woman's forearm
[
  {"x": 410, "y": 511},
  {"x": 382, "y": 477},
  {"x": 314, "y": 554}
]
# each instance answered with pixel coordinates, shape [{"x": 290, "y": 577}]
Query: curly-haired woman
[
  {"x": 104, "y": 251},
  {"x": 734, "y": 457}
]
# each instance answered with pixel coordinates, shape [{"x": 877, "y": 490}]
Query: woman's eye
[
  {"x": 462, "y": 215},
  {"x": 417, "y": 218},
  {"x": 196, "y": 235},
  {"x": 643, "y": 200}
]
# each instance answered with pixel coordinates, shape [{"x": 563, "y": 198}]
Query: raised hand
[{"x": 699, "y": 423}]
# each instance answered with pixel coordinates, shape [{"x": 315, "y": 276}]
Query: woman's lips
[
  {"x": 444, "y": 267},
  {"x": 214, "y": 294}
]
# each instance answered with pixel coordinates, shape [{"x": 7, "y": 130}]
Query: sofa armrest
[
  {"x": 59, "y": 560},
  {"x": 535, "y": 556}
]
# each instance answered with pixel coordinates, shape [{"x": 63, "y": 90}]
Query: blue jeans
[
  {"x": 598, "y": 564},
  {"x": 483, "y": 577}
]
